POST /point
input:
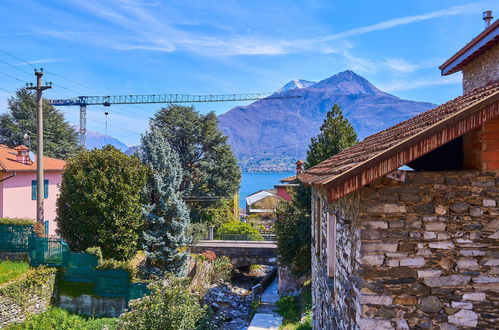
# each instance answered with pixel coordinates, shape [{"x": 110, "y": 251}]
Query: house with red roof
[
  {"x": 18, "y": 185},
  {"x": 419, "y": 248}
]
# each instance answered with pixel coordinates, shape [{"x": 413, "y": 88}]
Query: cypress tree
[{"x": 166, "y": 214}]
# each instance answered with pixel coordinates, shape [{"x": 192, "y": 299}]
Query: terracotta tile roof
[
  {"x": 289, "y": 179},
  {"x": 9, "y": 163},
  {"x": 367, "y": 160},
  {"x": 487, "y": 39}
]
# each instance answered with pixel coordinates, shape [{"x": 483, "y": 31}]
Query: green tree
[
  {"x": 238, "y": 227},
  {"x": 210, "y": 168},
  {"x": 169, "y": 306},
  {"x": 60, "y": 139},
  {"x": 100, "y": 202},
  {"x": 166, "y": 214},
  {"x": 293, "y": 224},
  {"x": 336, "y": 134}
]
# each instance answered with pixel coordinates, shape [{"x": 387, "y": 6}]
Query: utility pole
[{"x": 39, "y": 144}]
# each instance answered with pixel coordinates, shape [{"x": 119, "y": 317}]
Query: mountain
[
  {"x": 296, "y": 83},
  {"x": 99, "y": 140},
  {"x": 271, "y": 134}
]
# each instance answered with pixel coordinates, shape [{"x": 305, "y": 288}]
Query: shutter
[
  {"x": 45, "y": 188},
  {"x": 33, "y": 189}
]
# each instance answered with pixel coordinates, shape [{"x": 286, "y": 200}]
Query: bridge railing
[{"x": 249, "y": 237}]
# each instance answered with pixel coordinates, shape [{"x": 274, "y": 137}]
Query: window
[
  {"x": 45, "y": 189},
  {"x": 331, "y": 245},
  {"x": 317, "y": 222}
]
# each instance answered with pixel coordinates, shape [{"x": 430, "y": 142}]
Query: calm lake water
[{"x": 252, "y": 182}]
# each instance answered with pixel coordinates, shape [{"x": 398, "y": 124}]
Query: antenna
[{"x": 31, "y": 156}]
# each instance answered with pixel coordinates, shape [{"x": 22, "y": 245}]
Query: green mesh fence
[
  {"x": 16, "y": 238},
  {"x": 137, "y": 290},
  {"x": 81, "y": 267},
  {"x": 50, "y": 252},
  {"x": 112, "y": 283}
]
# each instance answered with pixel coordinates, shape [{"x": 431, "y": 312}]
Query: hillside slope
[{"x": 270, "y": 135}]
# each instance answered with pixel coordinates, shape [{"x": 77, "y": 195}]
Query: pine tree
[
  {"x": 336, "y": 134},
  {"x": 166, "y": 214},
  {"x": 60, "y": 139}
]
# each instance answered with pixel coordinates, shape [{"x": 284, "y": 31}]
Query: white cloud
[
  {"x": 409, "y": 84},
  {"x": 400, "y": 65}
]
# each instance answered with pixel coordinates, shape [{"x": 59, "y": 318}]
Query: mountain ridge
[{"x": 271, "y": 134}]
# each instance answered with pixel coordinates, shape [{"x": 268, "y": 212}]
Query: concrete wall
[
  {"x": 16, "y": 197},
  {"x": 482, "y": 70},
  {"x": 420, "y": 253}
]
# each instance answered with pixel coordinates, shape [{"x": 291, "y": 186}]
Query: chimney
[
  {"x": 22, "y": 155},
  {"x": 487, "y": 17},
  {"x": 299, "y": 166}
]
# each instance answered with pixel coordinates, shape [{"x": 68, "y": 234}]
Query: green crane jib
[{"x": 83, "y": 101}]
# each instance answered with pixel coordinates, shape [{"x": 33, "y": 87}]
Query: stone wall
[
  {"x": 93, "y": 305},
  {"x": 429, "y": 255},
  {"x": 335, "y": 301},
  {"x": 29, "y": 295},
  {"x": 482, "y": 70},
  {"x": 14, "y": 256}
]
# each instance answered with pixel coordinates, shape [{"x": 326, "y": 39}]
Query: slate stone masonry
[
  {"x": 419, "y": 253},
  {"x": 482, "y": 70}
]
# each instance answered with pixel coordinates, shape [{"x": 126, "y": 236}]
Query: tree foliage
[
  {"x": 210, "y": 168},
  {"x": 60, "y": 139},
  {"x": 100, "y": 202},
  {"x": 293, "y": 224},
  {"x": 166, "y": 214},
  {"x": 238, "y": 227},
  {"x": 336, "y": 134},
  {"x": 219, "y": 213},
  {"x": 169, "y": 306}
]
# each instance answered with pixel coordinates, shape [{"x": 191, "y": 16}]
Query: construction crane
[{"x": 83, "y": 101}]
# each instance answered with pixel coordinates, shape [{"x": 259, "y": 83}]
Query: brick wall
[
  {"x": 482, "y": 70},
  {"x": 421, "y": 253},
  {"x": 481, "y": 147}
]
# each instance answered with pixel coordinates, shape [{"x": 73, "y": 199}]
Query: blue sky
[{"x": 106, "y": 47}]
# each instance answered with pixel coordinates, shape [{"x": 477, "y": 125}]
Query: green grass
[
  {"x": 296, "y": 311},
  {"x": 10, "y": 270},
  {"x": 57, "y": 318}
]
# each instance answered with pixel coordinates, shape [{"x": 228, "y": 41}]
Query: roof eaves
[
  {"x": 485, "y": 38},
  {"x": 358, "y": 168}
]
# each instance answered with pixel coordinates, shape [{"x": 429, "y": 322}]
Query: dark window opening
[{"x": 448, "y": 157}]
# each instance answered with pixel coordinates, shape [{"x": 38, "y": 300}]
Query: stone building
[{"x": 396, "y": 249}]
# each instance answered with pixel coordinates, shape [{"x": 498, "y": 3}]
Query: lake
[{"x": 252, "y": 182}]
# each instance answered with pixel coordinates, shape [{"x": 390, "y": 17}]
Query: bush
[
  {"x": 10, "y": 270},
  {"x": 289, "y": 308},
  {"x": 58, "y": 318},
  {"x": 237, "y": 227},
  {"x": 96, "y": 251},
  {"x": 100, "y": 202},
  {"x": 107, "y": 264},
  {"x": 169, "y": 306},
  {"x": 16, "y": 222},
  {"x": 222, "y": 270}
]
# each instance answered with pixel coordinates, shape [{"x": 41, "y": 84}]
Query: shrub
[
  {"x": 169, "y": 306},
  {"x": 107, "y": 264},
  {"x": 237, "y": 227},
  {"x": 222, "y": 270},
  {"x": 100, "y": 202},
  {"x": 96, "y": 251},
  {"x": 289, "y": 308},
  {"x": 10, "y": 270},
  {"x": 58, "y": 318},
  {"x": 16, "y": 222}
]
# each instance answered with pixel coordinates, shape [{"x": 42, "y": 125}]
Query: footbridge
[{"x": 241, "y": 253}]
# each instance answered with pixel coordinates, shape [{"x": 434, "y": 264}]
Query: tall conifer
[{"x": 166, "y": 214}]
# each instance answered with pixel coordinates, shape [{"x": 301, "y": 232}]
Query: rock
[
  {"x": 464, "y": 318},
  {"x": 379, "y": 247},
  {"x": 415, "y": 262},
  {"x": 370, "y": 324},
  {"x": 491, "y": 262},
  {"x": 475, "y": 296},
  {"x": 430, "y": 304},
  {"x": 402, "y": 325},
  {"x": 442, "y": 245},
  {"x": 466, "y": 263},
  {"x": 405, "y": 300},
  {"x": 376, "y": 300},
  {"x": 447, "y": 281},
  {"x": 392, "y": 262},
  {"x": 461, "y": 305},
  {"x": 493, "y": 225},
  {"x": 447, "y": 326},
  {"x": 440, "y": 210},
  {"x": 489, "y": 202},
  {"x": 435, "y": 226},
  {"x": 459, "y": 207},
  {"x": 373, "y": 259},
  {"x": 486, "y": 279},
  {"x": 472, "y": 253},
  {"x": 476, "y": 212},
  {"x": 427, "y": 235},
  {"x": 375, "y": 224},
  {"x": 429, "y": 273}
]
